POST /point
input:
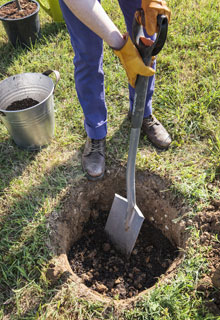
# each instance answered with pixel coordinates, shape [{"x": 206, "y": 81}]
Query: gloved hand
[
  {"x": 132, "y": 62},
  {"x": 152, "y": 8}
]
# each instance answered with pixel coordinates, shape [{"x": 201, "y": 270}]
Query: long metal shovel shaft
[
  {"x": 125, "y": 219},
  {"x": 136, "y": 123},
  {"x": 130, "y": 176}
]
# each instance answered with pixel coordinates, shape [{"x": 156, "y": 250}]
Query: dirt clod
[
  {"x": 208, "y": 222},
  {"x": 216, "y": 278},
  {"x": 106, "y": 247},
  {"x": 100, "y": 287}
]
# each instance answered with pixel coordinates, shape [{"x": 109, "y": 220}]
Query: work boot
[
  {"x": 156, "y": 132},
  {"x": 93, "y": 158}
]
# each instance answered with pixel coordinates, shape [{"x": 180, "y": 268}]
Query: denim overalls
[{"x": 89, "y": 76}]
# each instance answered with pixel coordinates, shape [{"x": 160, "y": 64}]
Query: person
[{"x": 88, "y": 25}]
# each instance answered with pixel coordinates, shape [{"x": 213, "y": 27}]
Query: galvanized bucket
[{"x": 30, "y": 128}]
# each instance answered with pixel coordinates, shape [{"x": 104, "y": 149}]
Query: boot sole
[{"x": 90, "y": 178}]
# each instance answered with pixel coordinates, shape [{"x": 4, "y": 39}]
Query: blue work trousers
[{"x": 89, "y": 75}]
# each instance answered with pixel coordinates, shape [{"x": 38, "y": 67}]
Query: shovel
[{"x": 125, "y": 218}]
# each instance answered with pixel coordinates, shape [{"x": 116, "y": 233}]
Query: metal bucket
[{"x": 30, "y": 128}]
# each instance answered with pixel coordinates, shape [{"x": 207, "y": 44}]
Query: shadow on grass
[
  {"x": 13, "y": 162},
  {"x": 24, "y": 234},
  {"x": 8, "y": 54},
  {"x": 51, "y": 29},
  {"x": 118, "y": 144}
]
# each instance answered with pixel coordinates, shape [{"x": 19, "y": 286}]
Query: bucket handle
[{"x": 57, "y": 74}]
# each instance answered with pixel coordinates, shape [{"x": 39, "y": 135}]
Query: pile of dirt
[
  {"x": 10, "y": 11},
  {"x": 22, "y": 104},
  {"x": 208, "y": 222},
  {"x": 103, "y": 269}
]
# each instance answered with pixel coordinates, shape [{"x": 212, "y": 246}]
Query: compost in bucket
[
  {"x": 103, "y": 269},
  {"x": 22, "y": 104},
  {"x": 10, "y": 11},
  {"x": 32, "y": 124},
  {"x": 82, "y": 248}
]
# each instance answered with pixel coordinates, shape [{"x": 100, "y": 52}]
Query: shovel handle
[
  {"x": 146, "y": 52},
  {"x": 141, "y": 87}
]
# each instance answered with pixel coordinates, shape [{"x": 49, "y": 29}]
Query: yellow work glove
[
  {"x": 152, "y": 8},
  {"x": 132, "y": 62}
]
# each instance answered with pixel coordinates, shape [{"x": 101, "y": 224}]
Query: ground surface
[
  {"x": 32, "y": 185},
  {"x": 104, "y": 271},
  {"x": 208, "y": 223}
]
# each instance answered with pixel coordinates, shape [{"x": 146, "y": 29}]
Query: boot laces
[
  {"x": 96, "y": 146},
  {"x": 151, "y": 121}
]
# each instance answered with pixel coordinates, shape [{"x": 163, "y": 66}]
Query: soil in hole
[
  {"x": 10, "y": 11},
  {"x": 103, "y": 269},
  {"x": 22, "y": 104}
]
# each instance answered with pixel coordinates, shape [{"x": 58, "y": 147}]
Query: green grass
[{"x": 32, "y": 185}]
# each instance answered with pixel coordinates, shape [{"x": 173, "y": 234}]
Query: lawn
[{"x": 34, "y": 184}]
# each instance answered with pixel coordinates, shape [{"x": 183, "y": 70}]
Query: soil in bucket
[
  {"x": 103, "y": 269},
  {"x": 22, "y": 104},
  {"x": 11, "y": 11}
]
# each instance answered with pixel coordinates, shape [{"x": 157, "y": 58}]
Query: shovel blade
[{"x": 123, "y": 240}]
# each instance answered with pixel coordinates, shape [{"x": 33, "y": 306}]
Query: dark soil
[
  {"x": 103, "y": 269},
  {"x": 11, "y": 11},
  {"x": 22, "y": 104}
]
